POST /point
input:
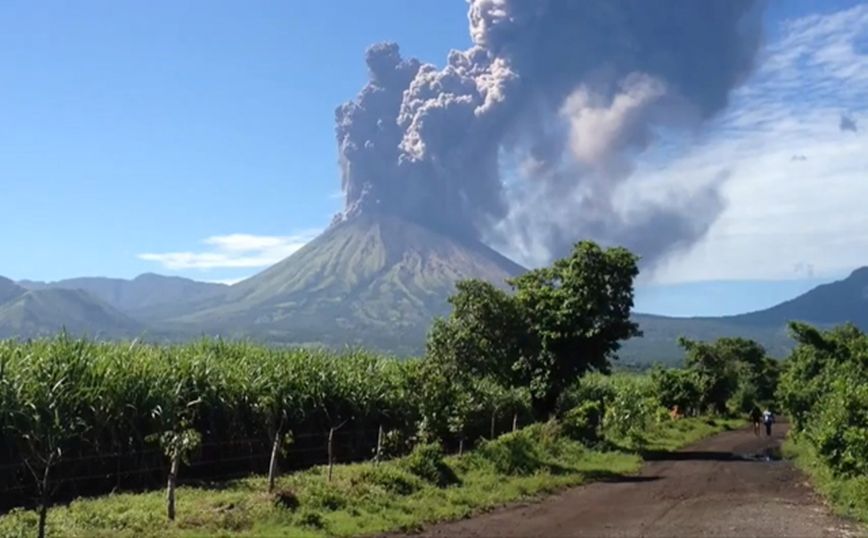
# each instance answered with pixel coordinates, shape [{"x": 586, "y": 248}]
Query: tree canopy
[{"x": 560, "y": 322}]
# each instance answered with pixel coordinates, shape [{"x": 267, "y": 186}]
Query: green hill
[
  {"x": 48, "y": 311},
  {"x": 146, "y": 296},
  {"x": 9, "y": 290}
]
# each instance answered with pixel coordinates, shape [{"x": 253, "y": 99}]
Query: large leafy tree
[
  {"x": 485, "y": 335},
  {"x": 732, "y": 372},
  {"x": 561, "y": 322},
  {"x": 578, "y": 310}
]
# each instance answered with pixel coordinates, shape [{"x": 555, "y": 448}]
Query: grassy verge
[
  {"x": 362, "y": 498},
  {"x": 847, "y": 496}
]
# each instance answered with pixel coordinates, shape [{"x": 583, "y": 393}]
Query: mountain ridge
[
  {"x": 377, "y": 281},
  {"x": 370, "y": 280},
  {"x": 148, "y": 291},
  {"x": 46, "y": 312}
]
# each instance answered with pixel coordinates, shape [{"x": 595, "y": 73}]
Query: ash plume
[{"x": 526, "y": 137}]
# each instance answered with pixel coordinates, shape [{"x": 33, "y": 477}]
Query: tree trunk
[
  {"x": 379, "y": 454},
  {"x": 331, "y": 452},
  {"x": 170, "y": 488},
  {"x": 544, "y": 408},
  {"x": 461, "y": 446},
  {"x": 493, "y": 418},
  {"x": 43, "y": 505},
  {"x": 272, "y": 465},
  {"x": 515, "y": 422}
]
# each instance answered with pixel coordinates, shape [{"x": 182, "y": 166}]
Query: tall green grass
[{"x": 363, "y": 498}]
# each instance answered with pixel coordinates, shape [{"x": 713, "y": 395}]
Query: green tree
[
  {"x": 561, "y": 322},
  {"x": 675, "y": 386},
  {"x": 578, "y": 311},
  {"x": 485, "y": 335}
]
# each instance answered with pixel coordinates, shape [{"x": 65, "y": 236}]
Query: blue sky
[{"x": 197, "y": 138}]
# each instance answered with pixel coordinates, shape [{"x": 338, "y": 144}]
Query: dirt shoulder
[{"x": 730, "y": 485}]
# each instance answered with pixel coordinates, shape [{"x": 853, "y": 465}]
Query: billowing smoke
[
  {"x": 526, "y": 137},
  {"x": 847, "y": 123}
]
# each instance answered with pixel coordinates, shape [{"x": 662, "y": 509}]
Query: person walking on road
[
  {"x": 768, "y": 420},
  {"x": 755, "y": 418}
]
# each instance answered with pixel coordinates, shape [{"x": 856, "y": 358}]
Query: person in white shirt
[{"x": 768, "y": 420}]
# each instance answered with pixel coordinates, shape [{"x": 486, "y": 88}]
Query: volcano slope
[
  {"x": 728, "y": 485},
  {"x": 372, "y": 280}
]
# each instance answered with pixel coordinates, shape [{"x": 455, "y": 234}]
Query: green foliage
[
  {"x": 65, "y": 399},
  {"x": 426, "y": 461},
  {"x": 730, "y": 374},
  {"x": 561, "y": 322},
  {"x": 485, "y": 335},
  {"x": 677, "y": 387},
  {"x": 391, "y": 478},
  {"x": 632, "y": 410},
  {"x": 517, "y": 453},
  {"x": 848, "y": 494},
  {"x": 584, "y": 423},
  {"x": 824, "y": 388},
  {"x": 363, "y": 499},
  {"x": 578, "y": 310}
]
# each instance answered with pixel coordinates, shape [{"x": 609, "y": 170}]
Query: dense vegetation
[
  {"x": 79, "y": 417},
  {"x": 561, "y": 322},
  {"x": 115, "y": 409},
  {"x": 824, "y": 390},
  {"x": 596, "y": 439},
  {"x": 729, "y": 375}
]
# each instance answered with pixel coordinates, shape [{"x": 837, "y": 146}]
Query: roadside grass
[
  {"x": 848, "y": 496},
  {"x": 363, "y": 498},
  {"x": 680, "y": 433}
]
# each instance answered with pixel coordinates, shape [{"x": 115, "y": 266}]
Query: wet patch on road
[{"x": 768, "y": 455}]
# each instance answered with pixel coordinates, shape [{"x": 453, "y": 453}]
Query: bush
[
  {"x": 516, "y": 453},
  {"x": 676, "y": 387},
  {"x": 324, "y": 496},
  {"x": 583, "y": 423},
  {"x": 632, "y": 410},
  {"x": 840, "y": 430},
  {"x": 426, "y": 462},
  {"x": 286, "y": 498},
  {"x": 312, "y": 519},
  {"x": 391, "y": 479}
]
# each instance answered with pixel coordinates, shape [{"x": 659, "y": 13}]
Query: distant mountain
[
  {"x": 824, "y": 306},
  {"x": 373, "y": 280},
  {"x": 837, "y": 302},
  {"x": 659, "y": 342},
  {"x": 9, "y": 290},
  {"x": 45, "y": 312},
  {"x": 147, "y": 296}
]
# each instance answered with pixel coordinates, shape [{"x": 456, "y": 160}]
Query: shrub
[
  {"x": 840, "y": 429},
  {"x": 391, "y": 478},
  {"x": 426, "y": 462},
  {"x": 583, "y": 423},
  {"x": 324, "y": 496},
  {"x": 515, "y": 453},
  {"x": 286, "y": 498},
  {"x": 311, "y": 518}
]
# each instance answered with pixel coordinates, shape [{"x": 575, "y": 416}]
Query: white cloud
[
  {"x": 784, "y": 214},
  {"x": 234, "y": 251},
  {"x": 226, "y": 281}
]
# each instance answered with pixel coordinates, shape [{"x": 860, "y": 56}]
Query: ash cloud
[
  {"x": 847, "y": 123},
  {"x": 527, "y": 137}
]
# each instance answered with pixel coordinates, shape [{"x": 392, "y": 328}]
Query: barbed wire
[{"x": 285, "y": 456}]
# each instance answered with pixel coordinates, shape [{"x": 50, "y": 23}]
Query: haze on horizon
[{"x": 200, "y": 142}]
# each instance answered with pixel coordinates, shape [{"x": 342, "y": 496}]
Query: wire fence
[{"x": 76, "y": 476}]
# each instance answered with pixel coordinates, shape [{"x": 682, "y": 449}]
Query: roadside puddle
[{"x": 768, "y": 455}]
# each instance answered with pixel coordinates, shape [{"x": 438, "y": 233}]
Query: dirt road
[{"x": 730, "y": 485}]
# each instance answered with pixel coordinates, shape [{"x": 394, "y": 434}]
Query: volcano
[{"x": 372, "y": 280}]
